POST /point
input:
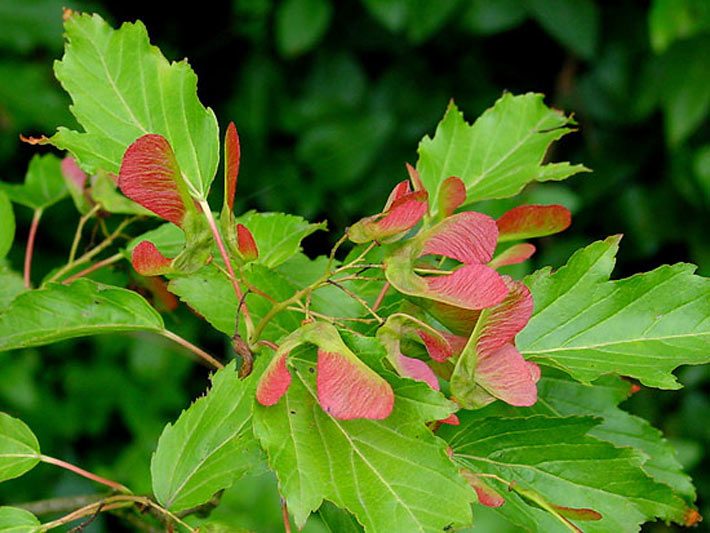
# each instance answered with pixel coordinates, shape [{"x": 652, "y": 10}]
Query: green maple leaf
[
  {"x": 209, "y": 447},
  {"x": 85, "y": 307},
  {"x": 392, "y": 474},
  {"x": 14, "y": 520},
  {"x": 498, "y": 154},
  {"x": 556, "y": 459},
  {"x": 19, "y": 449},
  {"x": 44, "y": 184},
  {"x": 11, "y": 284},
  {"x": 277, "y": 235},
  {"x": 562, "y": 396},
  {"x": 643, "y": 326},
  {"x": 122, "y": 87},
  {"x": 7, "y": 224}
]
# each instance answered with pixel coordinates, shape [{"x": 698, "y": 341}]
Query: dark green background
[{"x": 331, "y": 98}]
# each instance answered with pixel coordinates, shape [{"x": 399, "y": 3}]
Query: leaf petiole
[{"x": 30, "y": 247}]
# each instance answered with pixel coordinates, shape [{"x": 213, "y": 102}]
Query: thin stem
[
  {"x": 87, "y": 510},
  {"x": 268, "y": 344},
  {"x": 277, "y": 308},
  {"x": 96, "y": 266},
  {"x": 115, "y": 502},
  {"x": 363, "y": 266},
  {"x": 84, "y": 473},
  {"x": 432, "y": 271},
  {"x": 79, "y": 227},
  {"x": 356, "y": 277},
  {"x": 284, "y": 515},
  {"x": 381, "y": 296},
  {"x": 357, "y": 298},
  {"x": 59, "y": 505},
  {"x": 31, "y": 246},
  {"x": 332, "y": 318},
  {"x": 228, "y": 263},
  {"x": 199, "y": 352},
  {"x": 354, "y": 262},
  {"x": 94, "y": 251},
  {"x": 331, "y": 258}
]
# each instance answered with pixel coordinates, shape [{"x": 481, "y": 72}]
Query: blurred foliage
[{"x": 331, "y": 99}]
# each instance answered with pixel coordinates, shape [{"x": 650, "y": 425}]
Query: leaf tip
[{"x": 692, "y": 518}]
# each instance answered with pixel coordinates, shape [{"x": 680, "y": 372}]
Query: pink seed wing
[
  {"x": 148, "y": 261},
  {"x": 451, "y": 420},
  {"x": 468, "y": 237},
  {"x": 246, "y": 243},
  {"x": 274, "y": 381},
  {"x": 528, "y": 221},
  {"x": 400, "y": 190},
  {"x": 231, "y": 163},
  {"x": 507, "y": 376},
  {"x": 512, "y": 256},
  {"x": 149, "y": 175},
  {"x": 504, "y": 321},
  {"x": 470, "y": 286},
  {"x": 437, "y": 346},
  {"x": 414, "y": 178},
  {"x": 486, "y": 495},
  {"x": 452, "y": 195},
  {"x": 349, "y": 389},
  {"x": 417, "y": 370},
  {"x": 404, "y": 213},
  {"x": 73, "y": 173}
]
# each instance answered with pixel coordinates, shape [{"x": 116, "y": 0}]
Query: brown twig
[{"x": 199, "y": 352}]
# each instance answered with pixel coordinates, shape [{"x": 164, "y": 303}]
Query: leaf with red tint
[
  {"x": 403, "y": 214},
  {"x": 348, "y": 389},
  {"x": 73, "y": 173},
  {"x": 417, "y": 370},
  {"x": 513, "y": 255},
  {"x": 150, "y": 176},
  {"x": 468, "y": 237},
  {"x": 528, "y": 221},
  {"x": 246, "y": 243},
  {"x": 506, "y": 375},
  {"x": 231, "y": 164},
  {"x": 577, "y": 513},
  {"x": 486, "y": 495},
  {"x": 275, "y": 380},
  {"x": 148, "y": 261},
  {"x": 452, "y": 195},
  {"x": 470, "y": 287}
]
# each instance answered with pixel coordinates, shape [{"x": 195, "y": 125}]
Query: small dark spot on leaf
[
  {"x": 312, "y": 370},
  {"x": 293, "y": 412}
]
